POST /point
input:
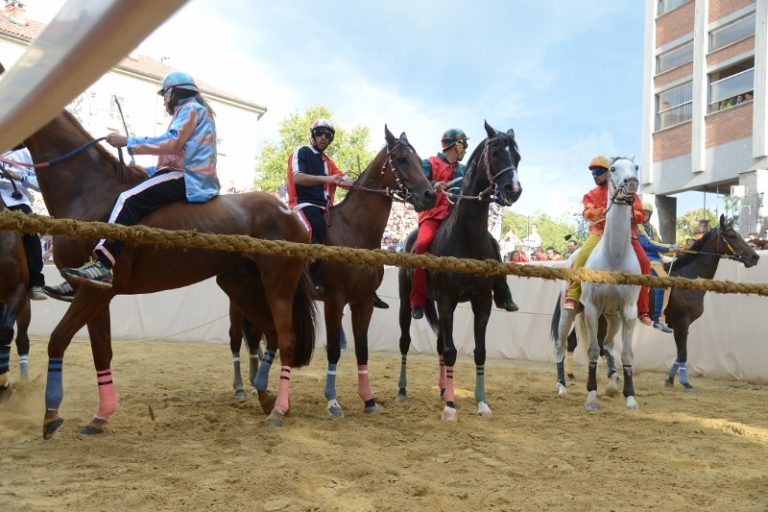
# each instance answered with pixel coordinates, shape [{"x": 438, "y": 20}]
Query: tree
[
  {"x": 347, "y": 149},
  {"x": 687, "y": 223},
  {"x": 552, "y": 231}
]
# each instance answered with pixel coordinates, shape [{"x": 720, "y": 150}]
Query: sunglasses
[
  {"x": 328, "y": 134},
  {"x": 598, "y": 172}
]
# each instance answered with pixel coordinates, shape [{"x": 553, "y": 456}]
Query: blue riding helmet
[{"x": 178, "y": 79}]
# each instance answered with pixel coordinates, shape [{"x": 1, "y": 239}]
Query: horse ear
[
  {"x": 490, "y": 130},
  {"x": 631, "y": 157},
  {"x": 722, "y": 222},
  {"x": 404, "y": 139},
  {"x": 511, "y": 133},
  {"x": 388, "y": 135}
]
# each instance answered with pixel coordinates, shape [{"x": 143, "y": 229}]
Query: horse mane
[
  {"x": 124, "y": 173},
  {"x": 688, "y": 258}
]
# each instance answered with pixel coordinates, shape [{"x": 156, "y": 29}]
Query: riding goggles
[
  {"x": 598, "y": 171},
  {"x": 328, "y": 134}
]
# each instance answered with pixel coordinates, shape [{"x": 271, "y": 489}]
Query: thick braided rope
[{"x": 138, "y": 235}]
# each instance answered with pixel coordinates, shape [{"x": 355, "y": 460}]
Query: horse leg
[
  {"x": 680, "y": 330},
  {"x": 13, "y": 306},
  {"x": 235, "y": 342},
  {"x": 253, "y": 336},
  {"x": 445, "y": 323},
  {"x": 593, "y": 353},
  {"x": 567, "y": 317},
  {"x": 99, "y": 332},
  {"x": 570, "y": 349},
  {"x": 605, "y": 343},
  {"x": 361, "y": 319},
  {"x": 261, "y": 381},
  {"x": 405, "y": 345},
  {"x": 22, "y": 339},
  {"x": 87, "y": 303},
  {"x": 627, "y": 356},
  {"x": 610, "y": 360},
  {"x": 334, "y": 311},
  {"x": 482, "y": 312}
]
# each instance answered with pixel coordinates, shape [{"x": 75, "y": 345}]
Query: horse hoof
[
  {"x": 240, "y": 396},
  {"x": 591, "y": 407},
  {"x": 450, "y": 414},
  {"x": 267, "y": 401},
  {"x": 591, "y": 403},
  {"x": 688, "y": 388},
  {"x": 334, "y": 409},
  {"x": 632, "y": 404},
  {"x": 372, "y": 409},
  {"x": 484, "y": 410},
  {"x": 90, "y": 430},
  {"x": 51, "y": 427},
  {"x": 561, "y": 389},
  {"x": 669, "y": 383},
  {"x": 612, "y": 389},
  {"x": 275, "y": 419},
  {"x": 401, "y": 398}
]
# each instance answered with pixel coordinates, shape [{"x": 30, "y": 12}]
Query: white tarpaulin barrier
[{"x": 729, "y": 340}]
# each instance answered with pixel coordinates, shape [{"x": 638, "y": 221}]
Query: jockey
[
  {"x": 14, "y": 182},
  {"x": 186, "y": 170},
  {"x": 651, "y": 242},
  {"x": 445, "y": 172},
  {"x": 312, "y": 181},
  {"x": 595, "y": 205}
]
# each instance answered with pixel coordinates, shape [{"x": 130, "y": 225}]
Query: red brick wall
[
  {"x": 672, "y": 75},
  {"x": 672, "y": 142},
  {"x": 731, "y": 51},
  {"x": 675, "y": 23},
  {"x": 719, "y": 8},
  {"x": 730, "y": 124}
]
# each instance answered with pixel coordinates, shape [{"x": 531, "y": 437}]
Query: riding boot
[{"x": 502, "y": 295}]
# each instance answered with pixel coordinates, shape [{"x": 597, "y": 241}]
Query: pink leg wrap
[
  {"x": 107, "y": 395},
  {"x": 441, "y": 378},
  {"x": 281, "y": 404},
  {"x": 363, "y": 387},
  {"x": 449, "y": 394}
]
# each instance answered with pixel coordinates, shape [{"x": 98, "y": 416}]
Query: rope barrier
[{"x": 144, "y": 235}]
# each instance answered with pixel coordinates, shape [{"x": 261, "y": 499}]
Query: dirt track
[{"x": 707, "y": 451}]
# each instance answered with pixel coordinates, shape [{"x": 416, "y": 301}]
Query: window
[
  {"x": 733, "y": 32},
  {"x": 731, "y": 85},
  {"x": 675, "y": 57},
  {"x": 673, "y": 106},
  {"x": 667, "y": 5}
]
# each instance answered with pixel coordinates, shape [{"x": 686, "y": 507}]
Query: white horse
[{"x": 617, "y": 302}]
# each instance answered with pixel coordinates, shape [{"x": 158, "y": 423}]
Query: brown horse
[
  {"x": 359, "y": 221},
  {"x": 14, "y": 304},
  {"x": 85, "y": 187},
  {"x": 685, "y": 306}
]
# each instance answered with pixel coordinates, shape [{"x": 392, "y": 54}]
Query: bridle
[
  {"x": 401, "y": 193},
  {"x": 492, "y": 190},
  {"x": 732, "y": 254}
]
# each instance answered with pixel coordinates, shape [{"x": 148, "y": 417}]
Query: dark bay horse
[
  {"x": 491, "y": 174},
  {"x": 85, "y": 187},
  {"x": 14, "y": 305},
  {"x": 685, "y": 306},
  {"x": 359, "y": 221}
]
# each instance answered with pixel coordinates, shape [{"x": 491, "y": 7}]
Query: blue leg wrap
[
  {"x": 480, "y": 383},
  {"x": 402, "y": 382},
  {"x": 673, "y": 371},
  {"x": 262, "y": 375},
  {"x": 683, "y": 373},
  {"x": 330, "y": 382},
  {"x": 5, "y": 357},
  {"x": 54, "y": 390}
]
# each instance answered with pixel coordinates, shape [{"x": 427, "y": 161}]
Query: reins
[
  {"x": 57, "y": 160},
  {"x": 489, "y": 191},
  {"x": 401, "y": 193}
]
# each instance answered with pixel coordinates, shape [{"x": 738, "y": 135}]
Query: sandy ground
[{"x": 705, "y": 451}]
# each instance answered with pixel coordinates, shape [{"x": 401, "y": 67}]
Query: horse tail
[
  {"x": 554, "y": 329},
  {"x": 430, "y": 312},
  {"x": 304, "y": 316}
]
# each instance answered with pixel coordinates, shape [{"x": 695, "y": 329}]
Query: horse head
[
  {"x": 492, "y": 168},
  {"x": 622, "y": 180},
  {"x": 730, "y": 243},
  {"x": 403, "y": 173}
]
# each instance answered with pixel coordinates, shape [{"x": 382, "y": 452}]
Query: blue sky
[{"x": 565, "y": 74}]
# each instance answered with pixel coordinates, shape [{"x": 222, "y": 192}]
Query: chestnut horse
[
  {"x": 84, "y": 187},
  {"x": 685, "y": 306},
  {"x": 359, "y": 221},
  {"x": 14, "y": 305},
  {"x": 491, "y": 174}
]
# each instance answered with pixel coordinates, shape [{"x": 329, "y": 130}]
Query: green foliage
[
  {"x": 552, "y": 231},
  {"x": 688, "y": 222},
  {"x": 347, "y": 149}
]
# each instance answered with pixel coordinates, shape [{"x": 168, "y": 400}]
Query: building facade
[
  {"x": 135, "y": 82},
  {"x": 704, "y": 126}
]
